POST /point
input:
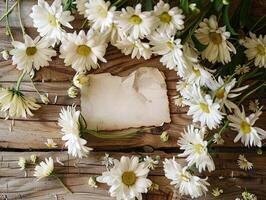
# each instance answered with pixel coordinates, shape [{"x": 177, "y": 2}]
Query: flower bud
[
  {"x": 72, "y": 92},
  {"x": 33, "y": 158},
  {"x": 5, "y": 54},
  {"x": 80, "y": 80},
  {"x": 92, "y": 182},
  {"x": 193, "y": 8},
  {"x": 22, "y": 163},
  {"x": 44, "y": 98},
  {"x": 164, "y": 136}
]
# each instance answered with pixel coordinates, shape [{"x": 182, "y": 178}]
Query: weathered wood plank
[{"x": 75, "y": 174}]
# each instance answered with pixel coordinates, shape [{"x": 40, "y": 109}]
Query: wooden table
[{"x": 28, "y": 136}]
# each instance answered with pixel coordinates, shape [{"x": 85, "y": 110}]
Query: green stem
[
  {"x": 84, "y": 23},
  {"x": 251, "y": 92},
  {"x": 19, "y": 17},
  {"x": 64, "y": 186},
  {"x": 9, "y": 11},
  {"x": 34, "y": 86},
  {"x": 116, "y": 3},
  {"x": 7, "y": 23},
  {"x": 19, "y": 80}
]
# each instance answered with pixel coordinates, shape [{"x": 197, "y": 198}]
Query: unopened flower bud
[
  {"x": 72, "y": 92},
  {"x": 22, "y": 163},
  {"x": 164, "y": 136},
  {"x": 193, "y": 8},
  {"x": 226, "y": 2},
  {"x": 80, "y": 80},
  {"x": 44, "y": 98},
  {"x": 33, "y": 158},
  {"x": 5, "y": 54},
  {"x": 92, "y": 182}
]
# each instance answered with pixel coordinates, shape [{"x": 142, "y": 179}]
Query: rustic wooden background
[{"x": 29, "y": 135}]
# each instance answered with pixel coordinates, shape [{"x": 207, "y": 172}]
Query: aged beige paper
[{"x": 114, "y": 103}]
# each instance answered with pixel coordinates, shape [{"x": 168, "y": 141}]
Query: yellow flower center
[
  {"x": 52, "y": 20},
  {"x": 83, "y": 50},
  {"x": 49, "y": 146},
  {"x": 185, "y": 177},
  {"x": 198, "y": 148},
  {"x": 204, "y": 107},
  {"x": 220, "y": 93},
  {"x": 196, "y": 71},
  {"x": 261, "y": 50},
  {"x": 30, "y": 51},
  {"x": 165, "y": 17},
  {"x": 129, "y": 178},
  {"x": 245, "y": 127},
  {"x": 216, "y": 38},
  {"x": 170, "y": 45},
  {"x": 102, "y": 12},
  {"x": 135, "y": 19}
]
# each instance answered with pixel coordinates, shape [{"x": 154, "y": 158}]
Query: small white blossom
[
  {"x": 243, "y": 163},
  {"x": 22, "y": 163}
]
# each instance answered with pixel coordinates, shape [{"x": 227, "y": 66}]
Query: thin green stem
[
  {"x": 9, "y": 11},
  {"x": 19, "y": 17},
  {"x": 116, "y": 3},
  {"x": 251, "y": 92},
  {"x": 84, "y": 23},
  {"x": 34, "y": 86},
  {"x": 20, "y": 80},
  {"x": 64, "y": 186},
  {"x": 7, "y": 23}
]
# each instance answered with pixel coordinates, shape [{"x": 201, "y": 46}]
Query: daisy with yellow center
[
  {"x": 32, "y": 54},
  {"x": 49, "y": 19},
  {"x": 183, "y": 180},
  {"x": 216, "y": 39},
  {"x": 135, "y": 23},
  {"x": 50, "y": 144},
  {"x": 203, "y": 109},
  {"x": 256, "y": 49},
  {"x": 82, "y": 51},
  {"x": 195, "y": 149},
  {"x": 249, "y": 135},
  {"x": 127, "y": 178},
  {"x": 168, "y": 19}
]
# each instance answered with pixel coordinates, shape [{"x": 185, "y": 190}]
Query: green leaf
[
  {"x": 148, "y": 5},
  {"x": 68, "y": 5},
  {"x": 198, "y": 45},
  {"x": 244, "y": 12},
  {"x": 227, "y": 21},
  {"x": 184, "y": 5}
]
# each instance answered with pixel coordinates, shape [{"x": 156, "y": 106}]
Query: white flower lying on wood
[
  {"x": 243, "y": 163},
  {"x": 44, "y": 169},
  {"x": 249, "y": 135},
  {"x": 71, "y": 130},
  {"x": 82, "y": 51},
  {"x": 50, "y": 144},
  {"x": 80, "y": 5},
  {"x": 32, "y": 54},
  {"x": 195, "y": 149},
  {"x": 218, "y": 47},
  {"x": 184, "y": 181},
  {"x": 127, "y": 178},
  {"x": 49, "y": 19},
  {"x": 16, "y": 104},
  {"x": 22, "y": 163}
]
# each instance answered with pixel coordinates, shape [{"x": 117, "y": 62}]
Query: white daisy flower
[
  {"x": 243, "y": 163},
  {"x": 195, "y": 149},
  {"x": 203, "y": 109},
  {"x": 128, "y": 178},
  {"x": 224, "y": 92},
  {"x": 44, "y": 169},
  {"x": 92, "y": 182},
  {"x": 135, "y": 23},
  {"x": 80, "y": 80},
  {"x": 256, "y": 49},
  {"x": 217, "y": 139},
  {"x": 82, "y": 51},
  {"x": 32, "y": 54},
  {"x": 100, "y": 14},
  {"x": 70, "y": 127},
  {"x": 80, "y": 5},
  {"x": 50, "y": 144},
  {"x": 249, "y": 135},
  {"x": 184, "y": 88},
  {"x": 168, "y": 19},
  {"x": 134, "y": 47},
  {"x": 150, "y": 162},
  {"x": 22, "y": 163},
  {"x": 178, "y": 101},
  {"x": 114, "y": 34},
  {"x": 215, "y": 38},
  {"x": 254, "y": 105},
  {"x": 16, "y": 104},
  {"x": 184, "y": 181},
  {"x": 49, "y": 19},
  {"x": 170, "y": 49}
]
